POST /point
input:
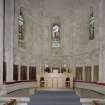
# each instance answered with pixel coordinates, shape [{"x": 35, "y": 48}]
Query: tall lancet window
[
  {"x": 21, "y": 28},
  {"x": 56, "y": 35},
  {"x": 91, "y": 24}
]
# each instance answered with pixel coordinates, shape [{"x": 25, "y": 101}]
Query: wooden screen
[
  {"x": 79, "y": 71},
  {"x": 4, "y": 71},
  {"x": 32, "y": 73},
  {"x": 23, "y": 72},
  {"x": 15, "y": 72},
  {"x": 88, "y": 73}
]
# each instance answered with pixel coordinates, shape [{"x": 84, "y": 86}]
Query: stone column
[
  {"x": 27, "y": 72},
  {"x": 38, "y": 74},
  {"x": 60, "y": 68},
  {"x": 92, "y": 73},
  {"x": 19, "y": 73},
  {"x": 83, "y": 73},
  {"x": 101, "y": 69},
  {"x": 10, "y": 46},
  {"x": 1, "y": 41}
]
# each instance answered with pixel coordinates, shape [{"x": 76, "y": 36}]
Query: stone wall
[{"x": 75, "y": 44}]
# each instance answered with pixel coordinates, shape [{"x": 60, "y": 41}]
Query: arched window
[
  {"x": 56, "y": 31},
  {"x": 91, "y": 24},
  {"x": 21, "y": 28}
]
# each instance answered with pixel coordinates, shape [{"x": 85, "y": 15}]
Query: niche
[
  {"x": 67, "y": 83},
  {"x": 47, "y": 70},
  {"x": 42, "y": 82}
]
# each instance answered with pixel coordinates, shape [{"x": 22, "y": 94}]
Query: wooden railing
[{"x": 11, "y": 102}]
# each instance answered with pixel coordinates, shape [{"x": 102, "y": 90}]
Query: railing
[
  {"x": 97, "y": 83},
  {"x": 95, "y": 86},
  {"x": 11, "y": 102},
  {"x": 20, "y": 85},
  {"x": 14, "y": 82}
]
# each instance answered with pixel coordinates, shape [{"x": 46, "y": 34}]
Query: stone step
[
  {"x": 73, "y": 99},
  {"x": 57, "y": 96},
  {"x": 56, "y": 92},
  {"x": 54, "y": 103}
]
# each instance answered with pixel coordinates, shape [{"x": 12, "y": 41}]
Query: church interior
[{"x": 52, "y": 52}]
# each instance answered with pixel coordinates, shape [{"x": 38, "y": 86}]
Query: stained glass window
[
  {"x": 91, "y": 25},
  {"x": 21, "y": 28},
  {"x": 56, "y": 35}
]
